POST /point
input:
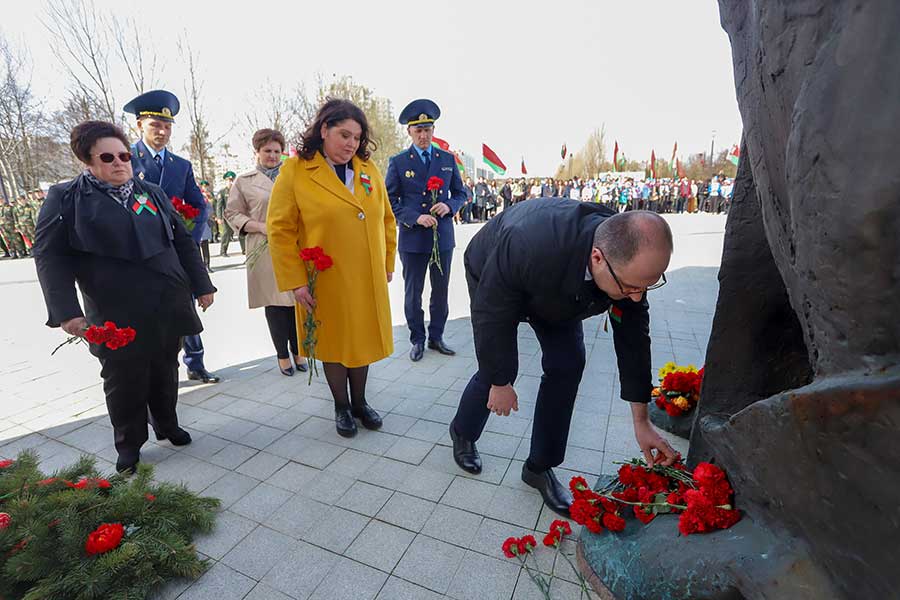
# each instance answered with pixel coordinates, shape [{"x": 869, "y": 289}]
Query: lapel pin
[{"x": 141, "y": 175}]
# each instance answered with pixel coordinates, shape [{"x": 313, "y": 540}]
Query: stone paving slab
[{"x": 387, "y": 515}]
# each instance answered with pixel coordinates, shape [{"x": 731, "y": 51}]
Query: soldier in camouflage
[
  {"x": 227, "y": 231},
  {"x": 10, "y": 230}
]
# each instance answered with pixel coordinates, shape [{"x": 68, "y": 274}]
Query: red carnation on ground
[
  {"x": 105, "y": 538},
  {"x": 643, "y": 517},
  {"x": 434, "y": 184},
  {"x": 5, "y": 520},
  {"x": 510, "y": 547},
  {"x": 613, "y": 522},
  {"x": 527, "y": 544}
]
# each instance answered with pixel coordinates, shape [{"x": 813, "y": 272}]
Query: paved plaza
[{"x": 387, "y": 514}]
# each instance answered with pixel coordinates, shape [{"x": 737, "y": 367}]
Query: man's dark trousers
[
  {"x": 415, "y": 266},
  {"x": 563, "y": 359}
]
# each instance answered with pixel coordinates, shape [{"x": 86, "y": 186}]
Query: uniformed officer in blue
[
  {"x": 407, "y": 175},
  {"x": 152, "y": 161}
]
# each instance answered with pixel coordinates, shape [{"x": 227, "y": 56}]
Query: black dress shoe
[
  {"x": 179, "y": 437},
  {"x": 127, "y": 465},
  {"x": 367, "y": 415},
  {"x": 465, "y": 453},
  {"x": 416, "y": 352},
  {"x": 303, "y": 367},
  {"x": 203, "y": 375},
  {"x": 289, "y": 372},
  {"x": 344, "y": 422},
  {"x": 556, "y": 496},
  {"x": 441, "y": 347}
]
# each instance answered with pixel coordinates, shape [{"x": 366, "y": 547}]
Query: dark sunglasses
[{"x": 108, "y": 157}]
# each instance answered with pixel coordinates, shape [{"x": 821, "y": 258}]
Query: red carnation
[
  {"x": 608, "y": 505},
  {"x": 527, "y": 544},
  {"x": 613, "y": 522},
  {"x": 324, "y": 262},
  {"x": 150, "y": 497},
  {"x": 511, "y": 547},
  {"x": 551, "y": 539},
  {"x": 47, "y": 481},
  {"x": 105, "y": 538},
  {"x": 561, "y": 527},
  {"x": 5, "y": 520},
  {"x": 583, "y": 511},
  {"x": 643, "y": 517},
  {"x": 5, "y": 463},
  {"x": 580, "y": 488},
  {"x": 434, "y": 184},
  {"x": 312, "y": 253}
]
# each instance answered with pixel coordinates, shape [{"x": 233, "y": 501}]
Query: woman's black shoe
[
  {"x": 344, "y": 423},
  {"x": 289, "y": 371},
  {"x": 303, "y": 367},
  {"x": 370, "y": 419},
  {"x": 127, "y": 466}
]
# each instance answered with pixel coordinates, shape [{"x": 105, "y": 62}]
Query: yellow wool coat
[{"x": 308, "y": 207}]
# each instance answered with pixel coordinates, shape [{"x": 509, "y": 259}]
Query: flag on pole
[
  {"x": 563, "y": 153},
  {"x": 679, "y": 168},
  {"x": 524, "y": 170},
  {"x": 653, "y": 164},
  {"x": 672, "y": 164},
  {"x": 445, "y": 145},
  {"x": 734, "y": 155},
  {"x": 616, "y": 156},
  {"x": 442, "y": 144},
  {"x": 492, "y": 160}
]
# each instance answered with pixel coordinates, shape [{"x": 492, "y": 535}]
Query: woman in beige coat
[{"x": 248, "y": 202}]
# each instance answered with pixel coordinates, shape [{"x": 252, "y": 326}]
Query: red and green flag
[
  {"x": 492, "y": 160},
  {"x": 672, "y": 164},
  {"x": 563, "y": 152},
  {"x": 616, "y": 156},
  {"x": 734, "y": 155},
  {"x": 524, "y": 170},
  {"x": 445, "y": 145},
  {"x": 653, "y": 164}
]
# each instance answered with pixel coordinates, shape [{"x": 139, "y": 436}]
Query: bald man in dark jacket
[{"x": 553, "y": 264}]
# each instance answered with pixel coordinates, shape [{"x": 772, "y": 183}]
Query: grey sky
[{"x": 524, "y": 77}]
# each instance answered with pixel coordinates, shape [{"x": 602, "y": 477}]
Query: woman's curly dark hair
[{"x": 334, "y": 111}]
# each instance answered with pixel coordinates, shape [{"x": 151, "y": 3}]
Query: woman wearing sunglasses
[{"x": 119, "y": 240}]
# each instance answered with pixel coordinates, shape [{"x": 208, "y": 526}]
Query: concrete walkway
[{"x": 387, "y": 514}]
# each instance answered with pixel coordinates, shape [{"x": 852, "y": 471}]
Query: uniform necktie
[
  {"x": 427, "y": 156},
  {"x": 158, "y": 159}
]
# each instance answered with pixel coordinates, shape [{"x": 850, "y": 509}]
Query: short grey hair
[{"x": 623, "y": 235}]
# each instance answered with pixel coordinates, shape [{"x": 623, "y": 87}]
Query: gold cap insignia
[
  {"x": 423, "y": 117},
  {"x": 166, "y": 112}
]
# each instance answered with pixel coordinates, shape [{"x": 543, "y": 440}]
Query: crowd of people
[
  {"x": 17, "y": 224},
  {"x": 487, "y": 197}
]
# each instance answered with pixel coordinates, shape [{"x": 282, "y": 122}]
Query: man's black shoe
[
  {"x": 368, "y": 416},
  {"x": 179, "y": 437},
  {"x": 203, "y": 375},
  {"x": 441, "y": 347},
  {"x": 465, "y": 453},
  {"x": 556, "y": 496},
  {"x": 344, "y": 423},
  {"x": 416, "y": 352}
]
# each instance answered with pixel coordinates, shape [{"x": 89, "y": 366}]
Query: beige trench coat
[{"x": 248, "y": 200}]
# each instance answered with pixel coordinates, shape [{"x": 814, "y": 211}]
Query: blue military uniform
[
  {"x": 407, "y": 175},
  {"x": 175, "y": 175}
]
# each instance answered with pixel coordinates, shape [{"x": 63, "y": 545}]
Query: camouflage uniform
[
  {"x": 227, "y": 231},
  {"x": 9, "y": 228},
  {"x": 26, "y": 220}
]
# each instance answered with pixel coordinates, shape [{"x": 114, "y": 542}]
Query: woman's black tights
[
  {"x": 283, "y": 329},
  {"x": 338, "y": 377}
]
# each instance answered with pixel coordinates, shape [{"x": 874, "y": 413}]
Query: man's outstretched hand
[
  {"x": 657, "y": 451},
  {"x": 502, "y": 399}
]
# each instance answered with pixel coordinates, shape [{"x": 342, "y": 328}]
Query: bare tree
[
  {"x": 274, "y": 106},
  {"x": 79, "y": 38},
  {"x": 201, "y": 144},
  {"x": 140, "y": 62}
]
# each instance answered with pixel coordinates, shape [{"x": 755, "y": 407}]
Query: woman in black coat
[{"x": 121, "y": 241}]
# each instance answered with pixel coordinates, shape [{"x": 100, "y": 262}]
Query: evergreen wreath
[{"x": 79, "y": 536}]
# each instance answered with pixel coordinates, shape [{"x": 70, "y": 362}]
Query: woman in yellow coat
[{"x": 331, "y": 195}]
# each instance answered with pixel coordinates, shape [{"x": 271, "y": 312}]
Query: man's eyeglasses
[
  {"x": 628, "y": 290},
  {"x": 108, "y": 157}
]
